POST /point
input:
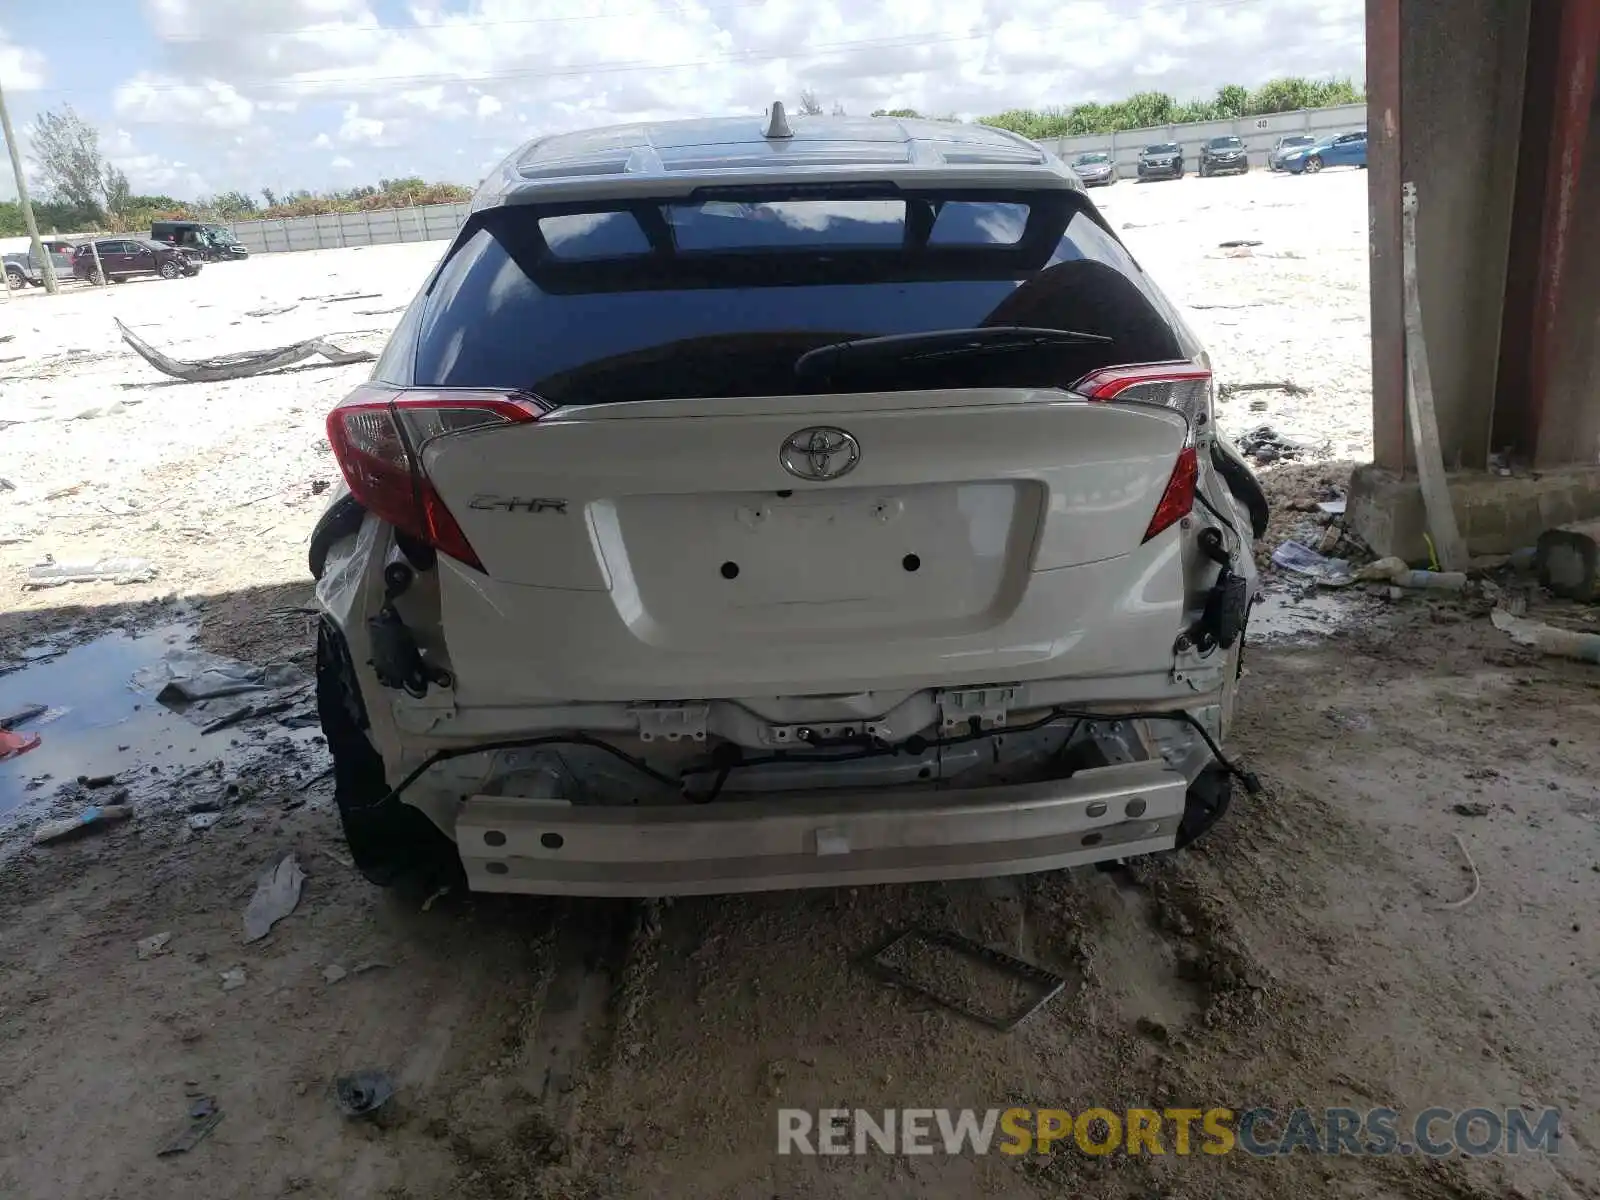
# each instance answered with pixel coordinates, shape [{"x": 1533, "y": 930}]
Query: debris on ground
[
  {"x": 363, "y": 1092},
  {"x": 1266, "y": 445},
  {"x": 202, "y": 821},
  {"x": 1477, "y": 880},
  {"x": 1236, "y": 243},
  {"x": 1471, "y": 808},
  {"x": 333, "y": 973},
  {"x": 1288, "y": 387},
  {"x": 1567, "y": 559},
  {"x": 204, "y": 1116},
  {"x": 1303, "y": 560},
  {"x": 428, "y": 904},
  {"x": 1548, "y": 639},
  {"x": 1398, "y": 572},
  {"x": 23, "y": 715},
  {"x": 277, "y": 893},
  {"x": 153, "y": 945},
  {"x": 271, "y": 311},
  {"x": 965, "y": 976},
  {"x": 50, "y": 573},
  {"x": 244, "y": 364},
  {"x": 97, "y": 817},
  {"x": 215, "y": 692},
  {"x": 232, "y": 978},
  {"x": 14, "y": 744}
]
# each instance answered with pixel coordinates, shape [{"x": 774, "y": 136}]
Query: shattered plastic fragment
[{"x": 104, "y": 570}]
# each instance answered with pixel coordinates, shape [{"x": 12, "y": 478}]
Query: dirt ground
[{"x": 1301, "y": 955}]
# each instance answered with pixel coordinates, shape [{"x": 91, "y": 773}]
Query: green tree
[
  {"x": 1231, "y": 100},
  {"x": 908, "y": 113},
  {"x": 232, "y": 205},
  {"x": 67, "y": 149}
]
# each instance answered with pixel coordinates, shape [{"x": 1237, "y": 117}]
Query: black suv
[
  {"x": 1161, "y": 161},
  {"x": 1223, "y": 156}
]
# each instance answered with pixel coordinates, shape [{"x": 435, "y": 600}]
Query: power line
[{"x": 900, "y": 42}]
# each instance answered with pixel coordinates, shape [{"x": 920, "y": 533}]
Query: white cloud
[
  {"x": 449, "y": 74},
  {"x": 153, "y": 174},
  {"x": 163, "y": 99},
  {"x": 340, "y": 163},
  {"x": 21, "y": 67},
  {"x": 357, "y": 130}
]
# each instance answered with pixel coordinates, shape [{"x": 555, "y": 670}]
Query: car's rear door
[{"x": 695, "y": 517}]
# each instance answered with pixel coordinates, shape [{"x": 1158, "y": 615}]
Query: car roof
[{"x": 671, "y": 158}]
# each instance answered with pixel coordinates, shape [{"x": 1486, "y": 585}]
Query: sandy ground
[{"x": 1300, "y": 955}]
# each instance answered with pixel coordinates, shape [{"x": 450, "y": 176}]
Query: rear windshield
[{"x": 660, "y": 300}]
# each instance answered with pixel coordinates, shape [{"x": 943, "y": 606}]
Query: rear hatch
[{"x": 731, "y": 447}]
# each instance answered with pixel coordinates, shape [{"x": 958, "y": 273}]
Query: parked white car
[{"x": 743, "y": 507}]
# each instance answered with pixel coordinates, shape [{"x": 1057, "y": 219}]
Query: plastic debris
[
  {"x": 1333, "y": 508},
  {"x": 277, "y": 894},
  {"x": 1303, "y": 560},
  {"x": 363, "y": 1092},
  {"x": 153, "y": 945},
  {"x": 89, "y": 819},
  {"x": 201, "y": 821},
  {"x": 244, "y": 365},
  {"x": 1265, "y": 444},
  {"x": 204, "y": 1116},
  {"x": 13, "y": 744},
  {"x": 1398, "y": 572},
  {"x": 333, "y": 973},
  {"x": 232, "y": 978},
  {"x": 1548, "y": 639},
  {"x": 49, "y": 573}
]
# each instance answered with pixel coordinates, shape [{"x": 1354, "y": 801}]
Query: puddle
[
  {"x": 1281, "y": 616},
  {"x": 103, "y": 719}
]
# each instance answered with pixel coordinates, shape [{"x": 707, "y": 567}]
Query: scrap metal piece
[
  {"x": 244, "y": 364},
  {"x": 204, "y": 1116},
  {"x": 364, "y": 1092},
  {"x": 1048, "y": 982}
]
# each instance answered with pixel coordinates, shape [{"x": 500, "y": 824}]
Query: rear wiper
[{"x": 827, "y": 361}]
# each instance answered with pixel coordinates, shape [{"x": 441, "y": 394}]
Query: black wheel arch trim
[{"x": 341, "y": 519}]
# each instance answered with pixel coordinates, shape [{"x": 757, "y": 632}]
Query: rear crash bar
[
  {"x": 1252, "y": 785},
  {"x": 545, "y": 845}
]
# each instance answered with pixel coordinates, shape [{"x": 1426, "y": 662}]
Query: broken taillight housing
[
  {"x": 378, "y": 434},
  {"x": 1180, "y": 385},
  {"x": 1183, "y": 386}
]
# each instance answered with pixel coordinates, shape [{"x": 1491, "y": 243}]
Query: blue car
[{"x": 1346, "y": 150}]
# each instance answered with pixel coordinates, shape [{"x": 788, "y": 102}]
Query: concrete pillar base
[{"x": 1497, "y": 514}]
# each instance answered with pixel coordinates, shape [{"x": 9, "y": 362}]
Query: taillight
[
  {"x": 378, "y": 433},
  {"x": 1178, "y": 499},
  {"x": 1180, "y": 385}
]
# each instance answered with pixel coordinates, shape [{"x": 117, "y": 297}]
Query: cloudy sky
[{"x": 198, "y": 96}]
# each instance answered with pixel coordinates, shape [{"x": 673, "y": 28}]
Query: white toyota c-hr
[{"x": 746, "y": 506}]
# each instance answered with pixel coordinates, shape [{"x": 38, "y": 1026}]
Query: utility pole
[{"x": 48, "y": 267}]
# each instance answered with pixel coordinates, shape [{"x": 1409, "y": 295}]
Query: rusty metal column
[
  {"x": 1563, "y": 61},
  {"x": 1383, "y": 234}
]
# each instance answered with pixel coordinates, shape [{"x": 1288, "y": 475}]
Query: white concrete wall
[{"x": 419, "y": 223}]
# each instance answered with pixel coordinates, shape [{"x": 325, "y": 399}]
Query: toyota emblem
[{"x": 819, "y": 453}]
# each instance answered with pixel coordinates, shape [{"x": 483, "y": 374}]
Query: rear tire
[{"x": 392, "y": 843}]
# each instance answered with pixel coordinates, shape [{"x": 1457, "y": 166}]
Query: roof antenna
[{"x": 778, "y": 124}]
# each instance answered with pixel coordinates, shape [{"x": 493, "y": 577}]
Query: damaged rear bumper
[{"x": 549, "y": 846}]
